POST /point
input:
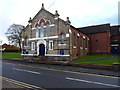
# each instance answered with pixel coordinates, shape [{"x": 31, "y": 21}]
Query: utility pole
[{"x": 0, "y": 49}]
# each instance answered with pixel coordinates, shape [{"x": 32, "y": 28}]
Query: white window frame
[
  {"x": 50, "y": 45},
  {"x": 67, "y": 35},
  {"x": 32, "y": 45}
]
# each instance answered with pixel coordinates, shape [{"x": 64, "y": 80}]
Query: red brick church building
[{"x": 49, "y": 36}]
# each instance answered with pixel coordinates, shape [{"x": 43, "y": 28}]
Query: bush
[{"x": 10, "y": 48}]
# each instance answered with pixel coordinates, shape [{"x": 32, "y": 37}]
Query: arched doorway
[{"x": 41, "y": 50}]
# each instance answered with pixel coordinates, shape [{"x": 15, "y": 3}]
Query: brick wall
[
  {"x": 100, "y": 43},
  {"x": 116, "y": 37},
  {"x": 80, "y": 46}
]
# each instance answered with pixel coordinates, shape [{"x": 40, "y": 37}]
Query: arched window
[
  {"x": 47, "y": 30},
  {"x": 37, "y": 32},
  {"x": 62, "y": 38},
  {"x": 42, "y": 30}
]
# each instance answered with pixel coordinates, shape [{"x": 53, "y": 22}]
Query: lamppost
[{"x": 0, "y": 49}]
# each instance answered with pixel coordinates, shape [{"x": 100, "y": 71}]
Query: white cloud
[{"x": 81, "y": 12}]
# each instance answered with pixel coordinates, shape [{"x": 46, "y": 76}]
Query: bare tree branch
[{"x": 14, "y": 34}]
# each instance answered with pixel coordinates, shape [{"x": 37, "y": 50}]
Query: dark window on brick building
[
  {"x": 74, "y": 40},
  {"x": 81, "y": 41},
  {"x": 62, "y": 36},
  {"x": 86, "y": 43}
]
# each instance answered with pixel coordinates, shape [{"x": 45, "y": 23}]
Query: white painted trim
[
  {"x": 78, "y": 34},
  {"x": 115, "y": 45},
  {"x": 41, "y": 41},
  {"x": 74, "y": 46},
  {"x": 67, "y": 35},
  {"x": 81, "y": 47},
  {"x": 61, "y": 44},
  {"x": 50, "y": 44},
  {"x": 25, "y": 46},
  {"x": 83, "y": 37},
  {"x": 29, "y": 54},
  {"x": 70, "y": 31},
  {"x": 55, "y": 55},
  {"x": 56, "y": 18},
  {"x": 51, "y": 37},
  {"x": 45, "y": 55},
  {"x": 51, "y": 25},
  {"x": 22, "y": 39}
]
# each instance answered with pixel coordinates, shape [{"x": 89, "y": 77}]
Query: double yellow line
[{"x": 21, "y": 84}]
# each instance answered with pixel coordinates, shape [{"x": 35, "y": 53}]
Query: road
[{"x": 28, "y": 75}]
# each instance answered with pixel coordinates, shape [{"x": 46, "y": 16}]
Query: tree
[{"x": 14, "y": 34}]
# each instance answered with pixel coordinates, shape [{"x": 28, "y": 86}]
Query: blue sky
[{"x": 81, "y": 12}]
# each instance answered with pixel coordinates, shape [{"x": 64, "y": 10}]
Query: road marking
[
  {"x": 65, "y": 71},
  {"x": 80, "y": 80},
  {"x": 22, "y": 84},
  {"x": 26, "y": 71}
]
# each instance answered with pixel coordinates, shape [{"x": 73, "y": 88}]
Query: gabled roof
[
  {"x": 45, "y": 11},
  {"x": 115, "y": 30},
  {"x": 48, "y": 13},
  {"x": 95, "y": 29}
]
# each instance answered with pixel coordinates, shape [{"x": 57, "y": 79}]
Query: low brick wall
[
  {"x": 58, "y": 58},
  {"x": 108, "y": 67}
]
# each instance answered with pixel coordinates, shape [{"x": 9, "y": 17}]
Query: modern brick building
[
  {"x": 48, "y": 36},
  {"x": 104, "y": 39},
  {"x": 115, "y": 39},
  {"x": 99, "y": 38}
]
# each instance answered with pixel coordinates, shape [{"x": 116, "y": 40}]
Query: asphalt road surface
[{"x": 37, "y": 76}]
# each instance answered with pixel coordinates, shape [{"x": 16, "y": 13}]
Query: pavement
[{"x": 6, "y": 84}]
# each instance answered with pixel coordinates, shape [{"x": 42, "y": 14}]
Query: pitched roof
[
  {"x": 115, "y": 30},
  {"x": 95, "y": 29},
  {"x": 40, "y": 11}
]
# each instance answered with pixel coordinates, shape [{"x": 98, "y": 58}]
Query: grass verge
[
  {"x": 8, "y": 55},
  {"x": 92, "y": 57},
  {"x": 103, "y": 62}
]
